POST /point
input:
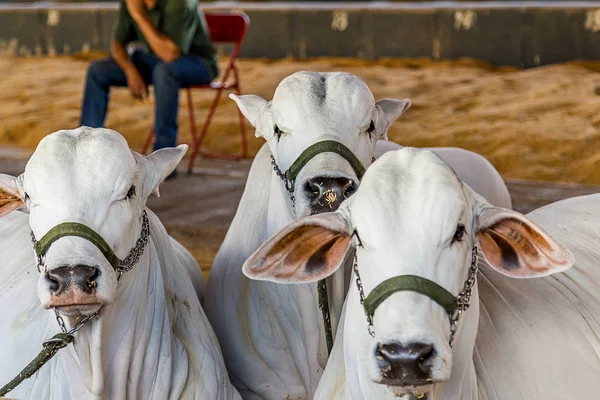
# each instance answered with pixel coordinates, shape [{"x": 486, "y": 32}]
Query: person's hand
[
  {"x": 135, "y": 7},
  {"x": 136, "y": 84}
]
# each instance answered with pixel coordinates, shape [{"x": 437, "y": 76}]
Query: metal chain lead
[
  {"x": 361, "y": 294},
  {"x": 464, "y": 297},
  {"x": 39, "y": 258},
  {"x": 136, "y": 252},
  {"x": 289, "y": 186}
]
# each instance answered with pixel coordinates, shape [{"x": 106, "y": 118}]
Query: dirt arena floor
[
  {"x": 539, "y": 127},
  {"x": 536, "y": 124}
]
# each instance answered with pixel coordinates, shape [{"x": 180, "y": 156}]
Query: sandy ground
[{"x": 538, "y": 124}]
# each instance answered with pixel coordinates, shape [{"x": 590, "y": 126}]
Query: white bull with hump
[
  {"x": 272, "y": 336},
  {"x": 151, "y": 338},
  {"x": 519, "y": 339}
]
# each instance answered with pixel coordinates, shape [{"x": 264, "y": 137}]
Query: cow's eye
[
  {"x": 371, "y": 128},
  {"x": 131, "y": 192},
  {"x": 458, "y": 235},
  {"x": 277, "y": 132}
]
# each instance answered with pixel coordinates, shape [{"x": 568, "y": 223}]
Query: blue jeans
[{"x": 167, "y": 79}]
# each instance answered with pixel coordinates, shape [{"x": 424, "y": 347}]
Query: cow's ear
[
  {"x": 251, "y": 106},
  {"x": 388, "y": 111},
  {"x": 10, "y": 195},
  {"x": 158, "y": 165},
  {"x": 517, "y": 247},
  {"x": 307, "y": 250}
]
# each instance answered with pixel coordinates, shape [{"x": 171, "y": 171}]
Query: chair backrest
[{"x": 227, "y": 27}]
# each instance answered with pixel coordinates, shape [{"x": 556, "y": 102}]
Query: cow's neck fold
[{"x": 113, "y": 352}]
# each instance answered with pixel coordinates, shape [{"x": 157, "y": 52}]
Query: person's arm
[
  {"x": 122, "y": 34},
  {"x": 135, "y": 82},
  {"x": 119, "y": 54},
  {"x": 161, "y": 44}
]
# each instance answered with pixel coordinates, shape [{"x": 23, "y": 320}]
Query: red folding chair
[{"x": 223, "y": 27}]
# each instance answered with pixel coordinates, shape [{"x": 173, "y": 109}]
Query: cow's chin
[
  {"x": 74, "y": 303},
  {"x": 418, "y": 392},
  {"x": 78, "y": 310}
]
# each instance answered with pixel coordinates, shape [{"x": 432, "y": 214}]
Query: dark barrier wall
[{"x": 504, "y": 33}]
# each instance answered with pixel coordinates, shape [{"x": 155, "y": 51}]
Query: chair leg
[
  {"x": 238, "y": 91},
  {"x": 193, "y": 130},
  {"x": 243, "y": 153},
  {"x": 148, "y": 141},
  {"x": 202, "y": 136}
]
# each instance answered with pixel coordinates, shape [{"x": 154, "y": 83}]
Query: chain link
[
  {"x": 136, "y": 252},
  {"x": 39, "y": 257},
  {"x": 464, "y": 297},
  {"x": 289, "y": 185},
  {"x": 361, "y": 294}
]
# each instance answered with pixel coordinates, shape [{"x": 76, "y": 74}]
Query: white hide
[
  {"x": 272, "y": 335},
  {"x": 154, "y": 341},
  {"x": 521, "y": 339}
]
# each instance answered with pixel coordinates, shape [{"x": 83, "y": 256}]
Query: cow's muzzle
[
  {"x": 326, "y": 194},
  {"x": 72, "y": 286},
  {"x": 405, "y": 365}
]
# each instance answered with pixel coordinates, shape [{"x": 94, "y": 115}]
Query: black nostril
[
  {"x": 53, "y": 283},
  {"x": 415, "y": 351},
  {"x": 83, "y": 277},
  {"x": 327, "y": 193},
  {"x": 312, "y": 188},
  {"x": 413, "y": 360},
  {"x": 349, "y": 188}
]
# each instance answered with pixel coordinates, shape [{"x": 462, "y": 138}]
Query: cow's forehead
[
  {"x": 337, "y": 95},
  {"x": 80, "y": 156},
  {"x": 408, "y": 190}
]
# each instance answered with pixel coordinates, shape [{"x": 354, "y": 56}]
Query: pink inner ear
[
  {"x": 517, "y": 249},
  {"x": 9, "y": 202},
  {"x": 304, "y": 254}
]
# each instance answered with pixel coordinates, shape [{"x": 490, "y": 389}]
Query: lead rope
[{"x": 61, "y": 340}]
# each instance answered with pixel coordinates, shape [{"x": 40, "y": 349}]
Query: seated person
[{"x": 178, "y": 53}]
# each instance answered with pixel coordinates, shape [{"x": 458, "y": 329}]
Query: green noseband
[
  {"x": 79, "y": 230},
  {"x": 326, "y": 146},
  {"x": 453, "y": 305},
  {"x": 411, "y": 283},
  {"x": 42, "y": 246}
]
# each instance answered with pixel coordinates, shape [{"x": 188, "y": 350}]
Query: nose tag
[{"x": 330, "y": 197}]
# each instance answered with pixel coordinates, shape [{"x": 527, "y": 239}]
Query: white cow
[
  {"x": 273, "y": 336},
  {"x": 412, "y": 226},
  {"x": 151, "y": 339}
]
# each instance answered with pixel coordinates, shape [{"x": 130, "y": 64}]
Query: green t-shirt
[{"x": 181, "y": 20}]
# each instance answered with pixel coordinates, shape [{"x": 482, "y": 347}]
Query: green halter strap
[
  {"x": 326, "y": 146},
  {"x": 453, "y": 305},
  {"x": 410, "y": 283},
  {"x": 79, "y": 230}
]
